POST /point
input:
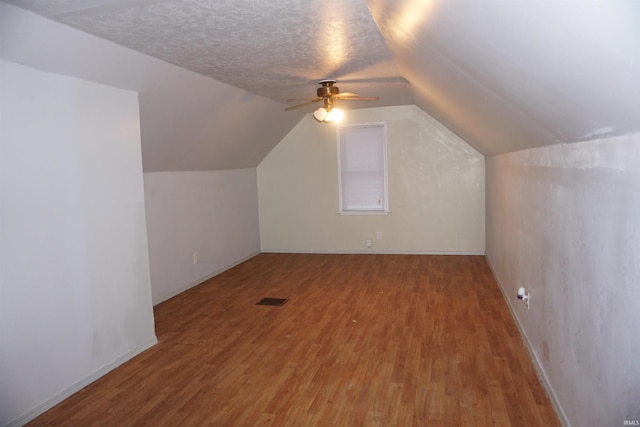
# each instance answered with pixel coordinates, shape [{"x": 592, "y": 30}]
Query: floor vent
[{"x": 272, "y": 301}]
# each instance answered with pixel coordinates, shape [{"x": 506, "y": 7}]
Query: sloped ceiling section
[
  {"x": 188, "y": 121},
  {"x": 503, "y": 75},
  {"x": 512, "y": 75}
]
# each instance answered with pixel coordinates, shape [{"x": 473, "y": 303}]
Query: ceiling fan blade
[
  {"x": 360, "y": 98},
  {"x": 345, "y": 94},
  {"x": 303, "y": 99},
  {"x": 304, "y": 104}
]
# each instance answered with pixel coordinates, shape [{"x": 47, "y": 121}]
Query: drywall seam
[
  {"x": 205, "y": 278},
  {"x": 542, "y": 376},
  {"x": 54, "y": 400}
]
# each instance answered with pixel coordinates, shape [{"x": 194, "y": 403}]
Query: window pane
[
  {"x": 363, "y": 191},
  {"x": 363, "y": 150},
  {"x": 362, "y": 168}
]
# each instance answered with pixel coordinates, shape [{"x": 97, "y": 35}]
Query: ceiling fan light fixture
[
  {"x": 329, "y": 94},
  {"x": 328, "y": 115},
  {"x": 337, "y": 114},
  {"x": 320, "y": 114}
]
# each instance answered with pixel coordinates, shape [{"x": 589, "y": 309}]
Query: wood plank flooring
[{"x": 364, "y": 340}]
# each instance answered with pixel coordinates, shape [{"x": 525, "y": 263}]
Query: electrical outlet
[
  {"x": 369, "y": 243},
  {"x": 379, "y": 235},
  {"x": 196, "y": 258},
  {"x": 524, "y": 295}
]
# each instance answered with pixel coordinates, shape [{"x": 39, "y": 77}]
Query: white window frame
[{"x": 383, "y": 209}]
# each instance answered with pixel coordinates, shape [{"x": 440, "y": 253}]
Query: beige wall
[{"x": 436, "y": 190}]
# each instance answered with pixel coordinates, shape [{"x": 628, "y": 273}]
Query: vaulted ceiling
[{"x": 503, "y": 75}]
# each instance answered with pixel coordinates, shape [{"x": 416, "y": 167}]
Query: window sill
[{"x": 364, "y": 213}]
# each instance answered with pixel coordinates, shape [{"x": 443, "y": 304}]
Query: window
[{"x": 362, "y": 159}]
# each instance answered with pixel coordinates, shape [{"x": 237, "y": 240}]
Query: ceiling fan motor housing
[{"x": 326, "y": 91}]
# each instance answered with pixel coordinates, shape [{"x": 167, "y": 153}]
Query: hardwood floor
[{"x": 371, "y": 340}]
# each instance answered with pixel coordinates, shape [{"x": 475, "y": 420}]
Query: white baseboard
[
  {"x": 203, "y": 279},
  {"x": 359, "y": 252},
  {"x": 59, "y": 397},
  {"x": 542, "y": 375}
]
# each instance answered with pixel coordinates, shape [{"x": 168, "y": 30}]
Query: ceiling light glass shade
[
  {"x": 333, "y": 115},
  {"x": 329, "y": 116},
  {"x": 337, "y": 115},
  {"x": 320, "y": 114}
]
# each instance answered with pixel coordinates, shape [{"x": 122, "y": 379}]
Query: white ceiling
[
  {"x": 504, "y": 75},
  {"x": 276, "y": 49},
  {"x": 509, "y": 75}
]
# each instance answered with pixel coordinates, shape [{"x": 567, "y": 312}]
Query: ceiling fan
[{"x": 328, "y": 93}]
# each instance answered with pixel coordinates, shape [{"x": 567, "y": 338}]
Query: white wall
[
  {"x": 436, "y": 190},
  {"x": 213, "y": 213},
  {"x": 75, "y": 294},
  {"x": 564, "y": 222}
]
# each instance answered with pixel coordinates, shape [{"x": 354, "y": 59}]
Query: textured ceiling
[
  {"x": 276, "y": 49},
  {"x": 503, "y": 75}
]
